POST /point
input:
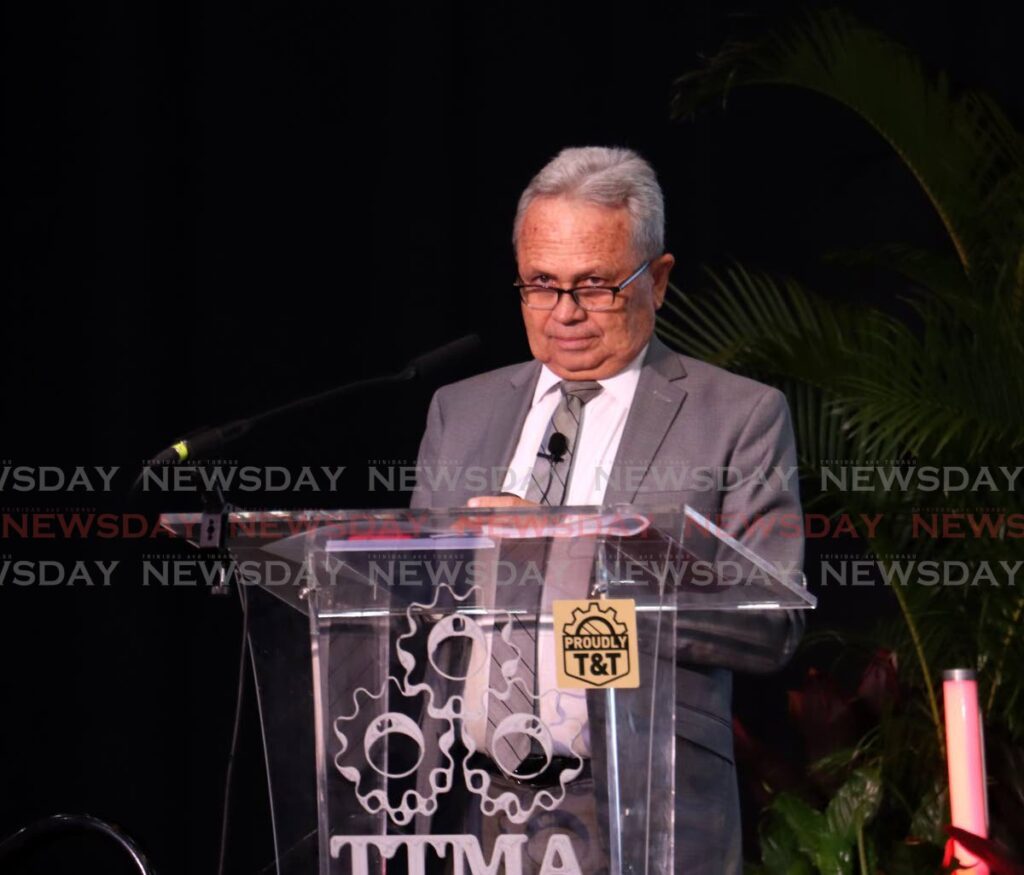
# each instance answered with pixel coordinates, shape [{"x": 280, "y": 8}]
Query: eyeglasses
[{"x": 590, "y": 298}]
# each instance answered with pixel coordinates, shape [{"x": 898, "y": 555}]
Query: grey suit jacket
[{"x": 688, "y": 416}]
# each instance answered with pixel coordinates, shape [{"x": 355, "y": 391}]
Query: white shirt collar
[{"x": 621, "y": 385}]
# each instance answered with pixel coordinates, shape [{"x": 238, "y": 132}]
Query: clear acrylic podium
[{"x": 482, "y": 691}]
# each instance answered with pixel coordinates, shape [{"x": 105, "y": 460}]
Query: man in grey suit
[{"x": 646, "y": 425}]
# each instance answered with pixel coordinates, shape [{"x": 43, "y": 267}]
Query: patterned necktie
[
  {"x": 516, "y": 651},
  {"x": 549, "y": 482}
]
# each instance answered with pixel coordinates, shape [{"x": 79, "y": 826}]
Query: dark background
[{"x": 214, "y": 208}]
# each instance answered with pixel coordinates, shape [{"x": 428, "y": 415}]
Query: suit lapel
[
  {"x": 508, "y": 413},
  {"x": 658, "y": 399}
]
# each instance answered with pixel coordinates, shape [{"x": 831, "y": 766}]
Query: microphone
[
  {"x": 427, "y": 366},
  {"x": 558, "y": 446},
  {"x": 434, "y": 363}
]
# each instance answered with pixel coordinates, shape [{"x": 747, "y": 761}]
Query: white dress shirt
[{"x": 604, "y": 419}]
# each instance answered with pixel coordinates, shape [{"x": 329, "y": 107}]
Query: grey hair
[{"x": 611, "y": 177}]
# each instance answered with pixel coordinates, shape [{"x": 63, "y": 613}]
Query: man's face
[{"x": 569, "y": 243}]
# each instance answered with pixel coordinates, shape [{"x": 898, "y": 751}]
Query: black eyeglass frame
[{"x": 574, "y": 292}]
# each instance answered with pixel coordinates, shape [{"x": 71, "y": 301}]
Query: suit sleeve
[
  {"x": 429, "y": 453},
  {"x": 763, "y": 513}
]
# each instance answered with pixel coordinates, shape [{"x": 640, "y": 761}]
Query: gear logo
[
  {"x": 521, "y": 803},
  {"x": 597, "y": 643},
  {"x": 396, "y": 742},
  {"x": 381, "y": 748}
]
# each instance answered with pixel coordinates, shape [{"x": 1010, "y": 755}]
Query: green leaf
[
  {"x": 931, "y": 816},
  {"x": 807, "y": 824},
  {"x": 854, "y": 804},
  {"x": 780, "y": 852},
  {"x": 834, "y": 856}
]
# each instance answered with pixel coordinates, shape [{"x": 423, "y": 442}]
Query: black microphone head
[
  {"x": 558, "y": 446},
  {"x": 438, "y": 363}
]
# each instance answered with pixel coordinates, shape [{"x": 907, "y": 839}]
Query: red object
[
  {"x": 965, "y": 756},
  {"x": 879, "y": 686},
  {"x": 984, "y": 849}
]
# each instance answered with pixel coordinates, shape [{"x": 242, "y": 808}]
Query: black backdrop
[{"x": 218, "y": 207}]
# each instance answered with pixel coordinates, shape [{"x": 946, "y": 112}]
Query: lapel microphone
[{"x": 558, "y": 446}]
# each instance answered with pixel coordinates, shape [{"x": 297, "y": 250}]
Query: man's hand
[{"x": 506, "y": 499}]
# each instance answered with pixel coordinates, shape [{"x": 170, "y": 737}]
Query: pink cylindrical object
[{"x": 965, "y": 755}]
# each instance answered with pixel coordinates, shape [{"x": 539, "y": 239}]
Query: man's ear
[{"x": 660, "y": 269}]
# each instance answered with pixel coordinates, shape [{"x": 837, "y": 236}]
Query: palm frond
[
  {"x": 954, "y": 388},
  {"x": 939, "y": 273},
  {"x": 963, "y": 151}
]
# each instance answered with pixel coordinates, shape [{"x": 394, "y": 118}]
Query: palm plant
[{"x": 943, "y": 388}]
